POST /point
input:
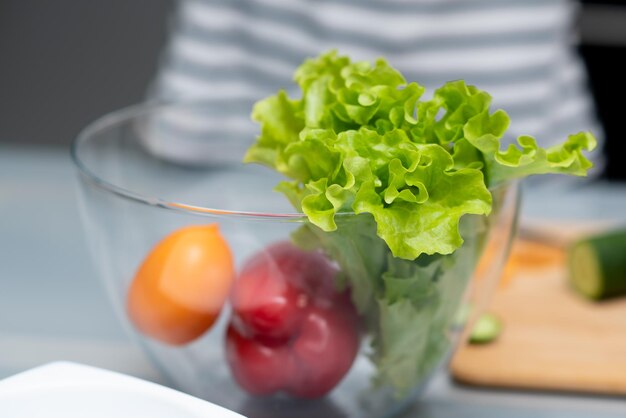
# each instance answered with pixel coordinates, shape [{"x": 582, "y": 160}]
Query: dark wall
[
  {"x": 606, "y": 75},
  {"x": 603, "y": 48},
  {"x": 65, "y": 62}
]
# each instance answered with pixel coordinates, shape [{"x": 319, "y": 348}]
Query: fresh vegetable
[
  {"x": 291, "y": 330},
  {"x": 597, "y": 265},
  {"x": 181, "y": 286},
  {"x": 360, "y": 141},
  {"x": 486, "y": 329},
  {"x": 389, "y": 184}
]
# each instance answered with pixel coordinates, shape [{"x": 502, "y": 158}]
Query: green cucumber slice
[
  {"x": 486, "y": 329},
  {"x": 597, "y": 265}
]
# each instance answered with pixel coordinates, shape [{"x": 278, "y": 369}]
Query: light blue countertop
[{"x": 52, "y": 306}]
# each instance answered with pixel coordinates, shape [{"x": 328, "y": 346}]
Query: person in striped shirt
[{"x": 521, "y": 51}]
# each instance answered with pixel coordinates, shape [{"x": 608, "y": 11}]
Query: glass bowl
[{"x": 177, "y": 224}]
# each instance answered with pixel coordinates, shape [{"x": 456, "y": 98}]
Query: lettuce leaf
[
  {"x": 387, "y": 180},
  {"x": 359, "y": 140},
  {"x": 484, "y": 132},
  {"x": 405, "y": 186}
]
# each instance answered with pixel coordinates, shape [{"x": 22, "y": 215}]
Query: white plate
[{"x": 69, "y": 390}]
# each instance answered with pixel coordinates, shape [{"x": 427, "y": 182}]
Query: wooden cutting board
[{"x": 552, "y": 338}]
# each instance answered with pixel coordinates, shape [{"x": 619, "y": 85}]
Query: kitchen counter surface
[{"x": 52, "y": 306}]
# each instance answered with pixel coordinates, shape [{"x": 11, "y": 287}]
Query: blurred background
[{"x": 64, "y": 63}]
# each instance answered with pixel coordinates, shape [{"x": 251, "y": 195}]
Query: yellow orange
[{"x": 181, "y": 286}]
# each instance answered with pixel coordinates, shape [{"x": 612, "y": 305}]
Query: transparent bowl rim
[{"x": 131, "y": 112}]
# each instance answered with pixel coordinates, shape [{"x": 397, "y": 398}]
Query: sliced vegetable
[
  {"x": 181, "y": 286},
  {"x": 597, "y": 265},
  {"x": 486, "y": 329},
  {"x": 291, "y": 330}
]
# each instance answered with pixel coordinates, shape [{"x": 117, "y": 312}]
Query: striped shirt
[{"x": 520, "y": 51}]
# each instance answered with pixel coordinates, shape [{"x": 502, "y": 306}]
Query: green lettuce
[
  {"x": 389, "y": 184},
  {"x": 406, "y": 187},
  {"x": 359, "y": 140}
]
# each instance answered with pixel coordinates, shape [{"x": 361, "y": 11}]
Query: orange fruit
[{"x": 181, "y": 286}]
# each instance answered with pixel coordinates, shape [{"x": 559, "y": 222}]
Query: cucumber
[
  {"x": 597, "y": 265},
  {"x": 486, "y": 329}
]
